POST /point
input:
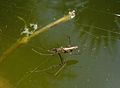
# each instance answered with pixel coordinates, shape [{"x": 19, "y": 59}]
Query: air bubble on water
[
  {"x": 54, "y": 18},
  {"x": 108, "y": 77},
  {"x": 78, "y": 51}
]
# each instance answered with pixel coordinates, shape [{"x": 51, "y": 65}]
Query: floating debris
[
  {"x": 72, "y": 14},
  {"x": 29, "y": 30},
  {"x": 26, "y": 32},
  {"x": 117, "y": 15},
  {"x": 34, "y": 26}
]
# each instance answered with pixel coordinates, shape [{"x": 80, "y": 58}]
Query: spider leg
[
  {"x": 41, "y": 53},
  {"x": 69, "y": 40},
  {"x": 61, "y": 59},
  {"x": 60, "y": 69}
]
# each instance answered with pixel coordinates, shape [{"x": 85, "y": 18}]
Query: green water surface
[{"x": 95, "y": 30}]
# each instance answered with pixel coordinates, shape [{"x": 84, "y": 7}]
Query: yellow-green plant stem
[{"x": 24, "y": 40}]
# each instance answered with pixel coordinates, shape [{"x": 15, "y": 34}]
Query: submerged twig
[{"x": 25, "y": 39}]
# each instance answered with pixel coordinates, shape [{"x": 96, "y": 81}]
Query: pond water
[{"x": 95, "y": 30}]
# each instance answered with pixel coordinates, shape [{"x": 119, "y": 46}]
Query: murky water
[{"x": 95, "y": 30}]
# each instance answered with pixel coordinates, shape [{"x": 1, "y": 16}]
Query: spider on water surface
[{"x": 60, "y": 50}]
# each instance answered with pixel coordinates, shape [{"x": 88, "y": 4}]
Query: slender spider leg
[
  {"x": 69, "y": 40},
  {"x": 61, "y": 59},
  {"x": 41, "y": 53},
  {"x": 20, "y": 18},
  {"x": 61, "y": 68}
]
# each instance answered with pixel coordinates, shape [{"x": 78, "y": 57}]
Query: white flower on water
[{"x": 72, "y": 14}]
